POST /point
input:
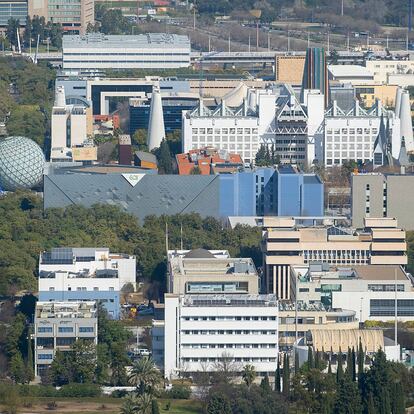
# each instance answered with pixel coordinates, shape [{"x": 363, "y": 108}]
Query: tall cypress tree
[
  {"x": 29, "y": 361},
  {"x": 353, "y": 364},
  {"x": 277, "y": 376},
  {"x": 310, "y": 358},
  {"x": 296, "y": 362},
  {"x": 286, "y": 384},
  {"x": 398, "y": 399},
  {"x": 349, "y": 363},
  {"x": 317, "y": 360},
  {"x": 361, "y": 359},
  {"x": 339, "y": 370}
]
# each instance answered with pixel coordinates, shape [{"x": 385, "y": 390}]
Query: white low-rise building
[
  {"x": 203, "y": 332},
  {"x": 58, "y": 325},
  {"x": 96, "y": 51}
]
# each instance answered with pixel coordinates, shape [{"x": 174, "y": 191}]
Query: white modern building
[
  {"x": 383, "y": 70},
  {"x": 96, "y": 51},
  {"x": 203, "y": 332},
  {"x": 69, "y": 127},
  {"x": 85, "y": 274},
  {"x": 273, "y": 117},
  {"x": 370, "y": 291},
  {"x": 58, "y": 325},
  {"x": 351, "y": 135}
]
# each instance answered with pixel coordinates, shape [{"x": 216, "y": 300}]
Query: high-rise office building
[
  {"x": 13, "y": 10},
  {"x": 73, "y": 15},
  {"x": 315, "y": 75}
]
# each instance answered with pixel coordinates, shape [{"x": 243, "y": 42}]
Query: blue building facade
[
  {"x": 262, "y": 192},
  {"x": 271, "y": 192},
  {"x": 109, "y": 299}
]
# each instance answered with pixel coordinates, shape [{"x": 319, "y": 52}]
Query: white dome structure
[{"x": 21, "y": 163}]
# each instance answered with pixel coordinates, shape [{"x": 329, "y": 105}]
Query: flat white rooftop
[{"x": 100, "y": 41}]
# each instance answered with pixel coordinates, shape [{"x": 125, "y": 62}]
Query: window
[
  {"x": 51, "y": 289},
  {"x": 111, "y": 288},
  {"x": 63, "y": 329},
  {"x": 44, "y": 329},
  {"x": 45, "y": 356},
  {"x": 85, "y": 329}
]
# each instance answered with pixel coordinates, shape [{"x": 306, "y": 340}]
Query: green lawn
[{"x": 181, "y": 407}]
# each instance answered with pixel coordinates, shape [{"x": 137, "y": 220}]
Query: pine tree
[
  {"x": 267, "y": 156},
  {"x": 286, "y": 384},
  {"x": 164, "y": 157},
  {"x": 370, "y": 408},
  {"x": 310, "y": 358},
  {"x": 277, "y": 376},
  {"x": 17, "y": 369},
  {"x": 260, "y": 156},
  {"x": 329, "y": 367},
  {"x": 27, "y": 32}
]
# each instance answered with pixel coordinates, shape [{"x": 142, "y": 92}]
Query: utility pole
[
  {"x": 347, "y": 42},
  {"x": 396, "y": 310},
  {"x": 387, "y": 41},
  {"x": 257, "y": 35},
  {"x": 342, "y": 7},
  {"x": 194, "y": 18},
  {"x": 410, "y": 15},
  {"x": 329, "y": 46},
  {"x": 249, "y": 45},
  {"x": 229, "y": 43},
  {"x": 406, "y": 42},
  {"x": 288, "y": 41},
  {"x": 367, "y": 40},
  {"x": 268, "y": 42},
  {"x": 209, "y": 43},
  {"x": 308, "y": 40}
]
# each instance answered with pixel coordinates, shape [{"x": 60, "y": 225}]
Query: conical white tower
[
  {"x": 398, "y": 102},
  {"x": 60, "y": 98},
  {"x": 406, "y": 130},
  {"x": 156, "y": 129}
]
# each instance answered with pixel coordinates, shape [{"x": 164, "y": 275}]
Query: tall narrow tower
[
  {"x": 156, "y": 129},
  {"x": 405, "y": 119}
]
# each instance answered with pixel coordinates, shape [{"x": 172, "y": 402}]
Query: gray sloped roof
[{"x": 152, "y": 194}]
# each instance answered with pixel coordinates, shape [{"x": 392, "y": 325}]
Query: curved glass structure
[{"x": 21, "y": 163}]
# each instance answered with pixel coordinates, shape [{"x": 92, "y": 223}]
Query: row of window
[
  {"x": 386, "y": 307},
  {"x": 239, "y": 139},
  {"x": 234, "y": 359},
  {"x": 337, "y": 161},
  {"x": 228, "y": 332},
  {"x": 228, "y": 346},
  {"x": 229, "y": 318},
  {"x": 64, "y": 329},
  {"x": 124, "y": 54},
  {"x": 82, "y": 289},
  {"x": 224, "y": 131},
  {"x": 351, "y": 131},
  {"x": 137, "y": 61}
]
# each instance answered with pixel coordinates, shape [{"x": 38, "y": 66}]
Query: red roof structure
[{"x": 209, "y": 161}]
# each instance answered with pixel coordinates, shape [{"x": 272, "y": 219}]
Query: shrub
[
  {"x": 179, "y": 392},
  {"x": 80, "y": 390}
]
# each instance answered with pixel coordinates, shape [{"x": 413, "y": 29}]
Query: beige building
[
  {"x": 202, "y": 271},
  {"x": 289, "y": 69},
  {"x": 285, "y": 243},
  {"x": 294, "y": 324},
  {"x": 370, "y": 93},
  {"x": 382, "y": 69},
  {"x": 73, "y": 15}
]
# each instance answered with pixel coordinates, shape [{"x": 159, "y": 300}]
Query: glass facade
[
  {"x": 386, "y": 307},
  {"x": 21, "y": 163},
  {"x": 13, "y": 9}
]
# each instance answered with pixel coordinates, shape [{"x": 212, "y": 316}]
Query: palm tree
[
  {"x": 248, "y": 374},
  {"x": 130, "y": 404},
  {"x": 145, "y": 376}
]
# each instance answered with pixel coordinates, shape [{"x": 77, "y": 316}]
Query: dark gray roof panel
[{"x": 152, "y": 194}]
